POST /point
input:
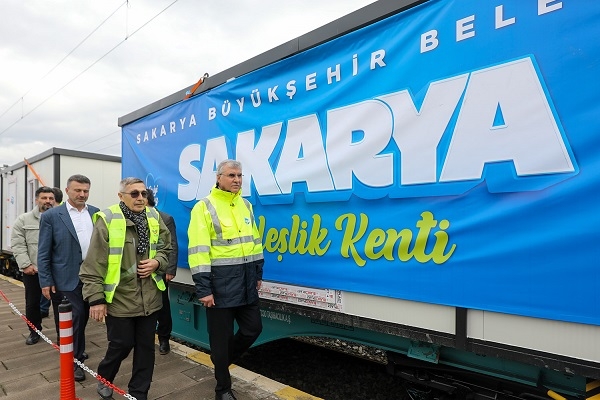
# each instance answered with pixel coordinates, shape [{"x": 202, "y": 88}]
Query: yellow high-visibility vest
[
  {"x": 236, "y": 238},
  {"x": 115, "y": 222}
]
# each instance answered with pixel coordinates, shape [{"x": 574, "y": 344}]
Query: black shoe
[
  {"x": 104, "y": 391},
  {"x": 225, "y": 396},
  {"x": 33, "y": 338},
  {"x": 79, "y": 374},
  {"x": 164, "y": 347},
  {"x": 45, "y": 314},
  {"x": 84, "y": 355}
]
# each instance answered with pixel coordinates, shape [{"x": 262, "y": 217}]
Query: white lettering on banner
[
  {"x": 419, "y": 157},
  {"x": 546, "y": 6},
  {"x": 491, "y": 126},
  {"x": 474, "y": 143},
  {"x": 303, "y": 157},
  {"x": 500, "y": 21},
  {"x": 189, "y": 172},
  {"x": 184, "y": 123},
  {"x": 361, "y": 158},
  {"x": 332, "y": 75},
  {"x": 216, "y": 150},
  {"x": 311, "y": 83},
  {"x": 465, "y": 27},
  {"x": 264, "y": 179}
]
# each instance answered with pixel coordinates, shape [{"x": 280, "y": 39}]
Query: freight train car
[{"x": 425, "y": 176}]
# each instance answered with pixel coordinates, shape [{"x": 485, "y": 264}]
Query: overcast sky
[{"x": 70, "y": 68}]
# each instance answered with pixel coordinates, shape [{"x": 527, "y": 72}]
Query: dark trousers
[
  {"x": 125, "y": 334},
  {"x": 165, "y": 322},
  {"x": 44, "y": 304},
  {"x": 225, "y": 347},
  {"x": 33, "y": 293},
  {"x": 81, "y": 314}
]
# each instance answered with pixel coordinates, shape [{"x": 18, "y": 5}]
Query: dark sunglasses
[{"x": 136, "y": 193}]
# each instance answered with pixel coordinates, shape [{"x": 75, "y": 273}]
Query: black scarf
[{"x": 141, "y": 226}]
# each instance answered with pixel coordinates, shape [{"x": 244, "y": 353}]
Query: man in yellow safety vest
[{"x": 226, "y": 261}]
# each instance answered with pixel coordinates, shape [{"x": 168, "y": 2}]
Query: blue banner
[{"x": 449, "y": 154}]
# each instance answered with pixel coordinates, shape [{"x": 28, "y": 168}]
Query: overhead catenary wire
[
  {"x": 23, "y": 116},
  {"x": 108, "y": 147},
  {"x": 98, "y": 139},
  {"x": 20, "y": 99}
]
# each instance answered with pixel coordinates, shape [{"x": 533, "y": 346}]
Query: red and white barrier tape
[{"x": 47, "y": 340}]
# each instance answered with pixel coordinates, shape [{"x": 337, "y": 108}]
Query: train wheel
[
  {"x": 5, "y": 266},
  {"x": 418, "y": 393}
]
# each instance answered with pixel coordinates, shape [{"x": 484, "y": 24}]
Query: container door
[{"x": 11, "y": 210}]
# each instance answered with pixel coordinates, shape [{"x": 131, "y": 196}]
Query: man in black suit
[
  {"x": 44, "y": 302},
  {"x": 165, "y": 322},
  {"x": 65, "y": 233}
]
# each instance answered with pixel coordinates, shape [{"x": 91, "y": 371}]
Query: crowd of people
[{"x": 115, "y": 265}]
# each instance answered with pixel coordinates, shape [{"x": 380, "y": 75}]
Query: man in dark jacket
[
  {"x": 226, "y": 261},
  {"x": 65, "y": 233},
  {"x": 165, "y": 322}
]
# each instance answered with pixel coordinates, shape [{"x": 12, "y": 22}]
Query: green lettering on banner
[{"x": 390, "y": 244}]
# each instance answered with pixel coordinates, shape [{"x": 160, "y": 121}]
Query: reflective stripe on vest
[
  {"x": 229, "y": 235},
  {"x": 115, "y": 222},
  {"x": 219, "y": 241}
]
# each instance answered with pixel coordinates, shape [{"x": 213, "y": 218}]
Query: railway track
[
  {"x": 333, "y": 369},
  {"x": 330, "y": 369}
]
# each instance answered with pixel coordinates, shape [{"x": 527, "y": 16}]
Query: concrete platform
[{"x": 32, "y": 372}]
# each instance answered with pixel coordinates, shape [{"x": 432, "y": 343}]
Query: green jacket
[{"x": 134, "y": 297}]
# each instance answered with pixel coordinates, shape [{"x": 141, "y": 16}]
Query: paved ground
[{"x": 32, "y": 372}]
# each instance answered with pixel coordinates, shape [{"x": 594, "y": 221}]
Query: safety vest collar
[{"x": 224, "y": 195}]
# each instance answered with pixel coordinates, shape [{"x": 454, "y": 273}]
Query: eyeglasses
[
  {"x": 136, "y": 193},
  {"x": 231, "y": 176}
]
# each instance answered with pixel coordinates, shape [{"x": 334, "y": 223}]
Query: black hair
[
  {"x": 79, "y": 179},
  {"x": 43, "y": 189},
  {"x": 150, "y": 198},
  {"x": 58, "y": 195}
]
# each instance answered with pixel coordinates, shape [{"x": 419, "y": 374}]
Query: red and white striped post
[{"x": 67, "y": 374}]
